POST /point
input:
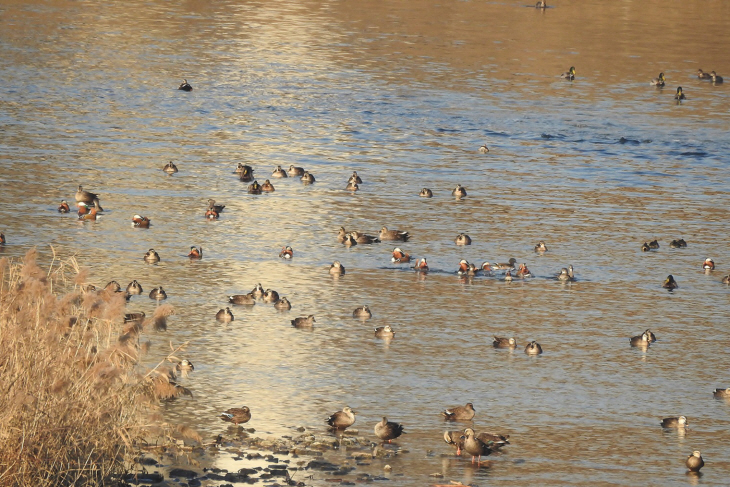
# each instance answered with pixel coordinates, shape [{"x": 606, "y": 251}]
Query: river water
[{"x": 404, "y": 93}]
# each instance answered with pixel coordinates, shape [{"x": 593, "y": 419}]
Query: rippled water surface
[{"x": 404, "y": 93}]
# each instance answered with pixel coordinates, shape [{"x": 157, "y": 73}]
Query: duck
[
  {"x": 678, "y": 244},
  {"x": 246, "y": 174},
  {"x": 2, "y": 239},
  {"x": 85, "y": 196},
  {"x": 185, "y": 86},
  {"x": 254, "y": 188},
  {"x": 421, "y": 265},
  {"x": 695, "y": 462},
  {"x": 483, "y": 149},
  {"x": 90, "y": 215},
  {"x": 151, "y": 256},
  {"x": 386, "y": 234},
  {"x": 523, "y": 271},
  {"x": 237, "y": 415},
  {"x": 462, "y": 239},
  {"x": 670, "y": 283},
  {"x": 384, "y": 332},
  {"x": 270, "y": 296},
  {"x": 400, "y": 257},
  {"x": 282, "y": 304},
  {"x": 680, "y": 94},
  {"x": 279, "y": 173},
  {"x": 362, "y": 238},
  {"x": 295, "y": 171},
  {"x": 349, "y": 240},
  {"x": 570, "y": 74},
  {"x": 702, "y": 75},
  {"x": 355, "y": 178},
  {"x": 508, "y": 276},
  {"x": 217, "y": 208},
  {"x": 63, "y": 207},
  {"x": 134, "y": 287},
  {"x": 725, "y": 280},
  {"x": 258, "y": 291},
  {"x": 455, "y": 439},
  {"x": 650, "y": 336},
  {"x": 341, "y": 420},
  {"x": 679, "y": 422},
  {"x": 337, "y": 269},
  {"x": 170, "y": 168},
  {"x": 486, "y": 269},
  {"x": 500, "y": 342},
  {"x": 654, "y": 244},
  {"x": 362, "y": 312},
  {"x": 459, "y": 191},
  {"x": 195, "y": 253},
  {"x": 426, "y": 193},
  {"x": 533, "y": 348},
  {"x": 303, "y": 322},
  {"x": 224, "y": 315},
  {"x": 286, "y": 253},
  {"x": 709, "y": 264},
  {"x": 185, "y": 366},
  {"x": 388, "y": 430},
  {"x": 645, "y": 247},
  {"x": 541, "y": 4},
  {"x": 158, "y": 293},
  {"x": 134, "y": 317},
  {"x": 640, "y": 340},
  {"x": 721, "y": 393},
  {"x": 463, "y": 267},
  {"x": 211, "y": 213},
  {"x": 267, "y": 187},
  {"x": 352, "y": 186},
  {"x": 541, "y": 247},
  {"x": 248, "y": 299},
  {"x": 474, "y": 446},
  {"x": 113, "y": 287},
  {"x": 459, "y": 413},
  {"x": 307, "y": 178},
  {"x": 715, "y": 78},
  {"x": 505, "y": 265},
  {"x": 139, "y": 221},
  {"x": 342, "y": 235},
  {"x": 658, "y": 82}
]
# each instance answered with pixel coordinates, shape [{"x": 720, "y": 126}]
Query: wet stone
[
  {"x": 181, "y": 472},
  {"x": 144, "y": 478}
]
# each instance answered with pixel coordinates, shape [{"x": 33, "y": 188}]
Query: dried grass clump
[{"x": 70, "y": 408}]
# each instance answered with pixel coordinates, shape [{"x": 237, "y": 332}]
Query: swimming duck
[
  {"x": 308, "y": 178},
  {"x": 303, "y": 322},
  {"x": 680, "y": 94},
  {"x": 695, "y": 462},
  {"x": 267, "y": 187},
  {"x": 640, "y": 340},
  {"x": 725, "y": 280},
  {"x": 421, "y": 265},
  {"x": 341, "y": 419},
  {"x": 134, "y": 317},
  {"x": 508, "y": 276},
  {"x": 91, "y": 215},
  {"x": 541, "y": 4},
  {"x": 654, "y": 244},
  {"x": 500, "y": 342},
  {"x": 678, "y": 244},
  {"x": 352, "y": 187},
  {"x": 342, "y": 235},
  {"x": 709, "y": 264},
  {"x": 386, "y": 234},
  {"x": 254, "y": 188},
  {"x": 483, "y": 149},
  {"x": 337, "y": 269},
  {"x": 650, "y": 336},
  {"x": 246, "y": 174},
  {"x": 659, "y": 82},
  {"x": 459, "y": 191},
  {"x": 185, "y": 366},
  {"x": 279, "y": 173},
  {"x": 185, "y": 86},
  {"x": 462, "y": 239},
  {"x": 541, "y": 247},
  {"x": 349, "y": 240},
  {"x": 361, "y": 238},
  {"x": 474, "y": 446},
  {"x": 702, "y": 75},
  {"x": 158, "y": 293},
  {"x": 139, "y": 221},
  {"x": 257, "y": 291},
  {"x": 400, "y": 257},
  {"x": 679, "y": 422},
  {"x": 533, "y": 348},
  {"x": 384, "y": 332},
  {"x": 715, "y": 78},
  {"x": 459, "y": 413},
  {"x": 463, "y": 267},
  {"x": 570, "y": 74},
  {"x": 295, "y": 171},
  {"x": 282, "y": 304},
  {"x": 237, "y": 415},
  {"x": 362, "y": 312},
  {"x": 721, "y": 393},
  {"x": 505, "y": 265},
  {"x": 134, "y": 287},
  {"x": 63, "y": 207},
  {"x": 523, "y": 271},
  {"x": 355, "y": 178},
  {"x": 2, "y": 239},
  {"x": 286, "y": 253},
  {"x": 248, "y": 299},
  {"x": 195, "y": 253},
  {"x": 388, "y": 430},
  {"x": 218, "y": 208},
  {"x": 211, "y": 213},
  {"x": 170, "y": 168},
  {"x": 86, "y": 196},
  {"x": 270, "y": 296},
  {"x": 670, "y": 283},
  {"x": 151, "y": 256},
  {"x": 645, "y": 247},
  {"x": 224, "y": 315},
  {"x": 113, "y": 287},
  {"x": 426, "y": 193}
]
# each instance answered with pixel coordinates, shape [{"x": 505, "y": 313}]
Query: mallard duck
[
  {"x": 303, "y": 322},
  {"x": 63, "y": 207},
  {"x": 270, "y": 296},
  {"x": 363, "y": 312},
  {"x": 459, "y": 413},
  {"x": 307, "y": 178},
  {"x": 659, "y": 82},
  {"x": 355, "y": 178},
  {"x": 151, "y": 256},
  {"x": 570, "y": 74},
  {"x": 247, "y": 299},
  {"x": 500, "y": 342},
  {"x": 286, "y": 253},
  {"x": 670, "y": 283},
  {"x": 426, "y": 193},
  {"x": 341, "y": 419},
  {"x": 140, "y": 221},
  {"x": 361, "y": 238},
  {"x": 352, "y": 186},
  {"x": 421, "y": 265},
  {"x": 388, "y": 430},
  {"x": 386, "y": 234},
  {"x": 257, "y": 291},
  {"x": 715, "y": 78},
  {"x": 337, "y": 269},
  {"x": 134, "y": 287},
  {"x": 679, "y": 422},
  {"x": 474, "y": 446},
  {"x": 462, "y": 239},
  {"x": 541, "y": 247},
  {"x": 695, "y": 462},
  {"x": 246, "y": 174},
  {"x": 282, "y": 304},
  {"x": 254, "y": 188},
  {"x": 459, "y": 191},
  {"x": 224, "y": 315},
  {"x": 702, "y": 75},
  {"x": 505, "y": 265},
  {"x": 654, "y": 244},
  {"x": 483, "y": 149},
  {"x": 709, "y": 264},
  {"x": 400, "y": 257},
  {"x": 384, "y": 332},
  {"x": 279, "y": 173},
  {"x": 218, "y": 208},
  {"x": 185, "y": 86},
  {"x": 158, "y": 293},
  {"x": 523, "y": 271},
  {"x": 170, "y": 168},
  {"x": 533, "y": 348},
  {"x": 680, "y": 94},
  {"x": 195, "y": 253},
  {"x": 267, "y": 187},
  {"x": 85, "y": 196},
  {"x": 237, "y": 415},
  {"x": 640, "y": 340},
  {"x": 721, "y": 393}
]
